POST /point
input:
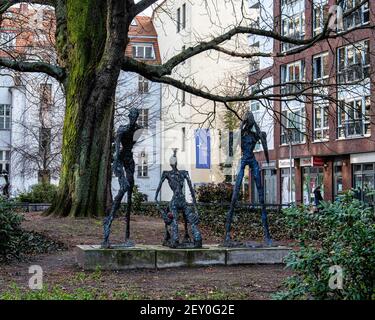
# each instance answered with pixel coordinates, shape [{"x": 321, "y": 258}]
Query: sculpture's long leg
[
  {"x": 174, "y": 226},
  {"x": 130, "y": 167},
  {"x": 235, "y": 195},
  {"x": 193, "y": 220},
  {"x": 258, "y": 181},
  {"x": 186, "y": 236},
  {"x": 115, "y": 206}
]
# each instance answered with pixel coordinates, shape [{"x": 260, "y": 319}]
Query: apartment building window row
[
  {"x": 358, "y": 17},
  {"x": 4, "y": 116},
  {"x": 353, "y": 62},
  {"x": 352, "y": 117},
  {"x": 143, "y": 51}
]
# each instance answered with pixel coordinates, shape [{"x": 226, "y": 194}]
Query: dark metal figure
[
  {"x": 123, "y": 161},
  {"x": 250, "y": 135},
  {"x": 176, "y": 179},
  {"x": 5, "y": 187}
]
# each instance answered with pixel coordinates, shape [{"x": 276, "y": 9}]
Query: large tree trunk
[{"x": 91, "y": 44}]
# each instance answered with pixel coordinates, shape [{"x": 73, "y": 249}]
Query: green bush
[
  {"x": 215, "y": 193},
  {"x": 340, "y": 234},
  {"x": 247, "y": 223},
  {"x": 16, "y": 243},
  {"x": 39, "y": 193},
  {"x": 137, "y": 198},
  {"x": 10, "y": 230}
]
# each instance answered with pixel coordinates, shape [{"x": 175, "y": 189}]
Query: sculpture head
[
  {"x": 250, "y": 118},
  {"x": 133, "y": 116},
  {"x": 173, "y": 159}
]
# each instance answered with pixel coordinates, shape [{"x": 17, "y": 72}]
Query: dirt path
[{"x": 60, "y": 269}]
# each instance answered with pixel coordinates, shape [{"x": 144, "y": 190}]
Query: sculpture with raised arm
[
  {"x": 250, "y": 135},
  {"x": 176, "y": 180},
  {"x": 123, "y": 167}
]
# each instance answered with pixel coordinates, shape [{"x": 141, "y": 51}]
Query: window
[
  {"x": 143, "y": 85},
  {"x": 321, "y": 105},
  {"x": 183, "y": 49},
  {"x": 321, "y": 126},
  {"x": 181, "y": 18},
  {"x": 4, "y": 116},
  {"x": 7, "y": 39},
  {"x": 358, "y": 17},
  {"x": 320, "y": 67},
  {"x": 202, "y": 149},
  {"x": 142, "y": 165},
  {"x": 288, "y": 192},
  {"x": 337, "y": 178},
  {"x": 230, "y": 144},
  {"x": 184, "y": 16},
  {"x": 320, "y": 15},
  {"x": 183, "y": 139},
  {"x": 143, "y": 118},
  {"x": 293, "y": 125},
  {"x": 143, "y": 51},
  {"x": 312, "y": 177},
  {"x": 45, "y": 96},
  {"x": 183, "y": 98},
  {"x": 178, "y": 20},
  {"x": 353, "y": 62},
  {"x": 364, "y": 181},
  {"x": 292, "y": 72},
  {"x": 292, "y": 26},
  {"x": 353, "y": 117},
  {"x": 4, "y": 160},
  {"x": 45, "y": 142}
]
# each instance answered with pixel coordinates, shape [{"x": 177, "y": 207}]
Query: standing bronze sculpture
[
  {"x": 250, "y": 135},
  {"x": 176, "y": 180},
  {"x": 123, "y": 167}
]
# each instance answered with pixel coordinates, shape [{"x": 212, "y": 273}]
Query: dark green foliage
[
  {"x": 10, "y": 229},
  {"x": 39, "y": 193},
  {"x": 215, "y": 193},
  {"x": 341, "y": 234},
  {"x": 15, "y": 242},
  {"x": 137, "y": 198},
  {"x": 247, "y": 222}
]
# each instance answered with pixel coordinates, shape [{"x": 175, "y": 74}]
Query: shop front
[
  {"x": 287, "y": 181},
  {"x": 312, "y": 171},
  {"x": 363, "y": 169}
]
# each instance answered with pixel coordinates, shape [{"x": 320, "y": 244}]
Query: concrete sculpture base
[{"x": 91, "y": 257}]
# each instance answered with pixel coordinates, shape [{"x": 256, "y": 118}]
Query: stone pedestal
[{"x": 90, "y": 257}]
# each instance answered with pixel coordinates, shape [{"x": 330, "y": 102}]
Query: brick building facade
[{"x": 324, "y": 143}]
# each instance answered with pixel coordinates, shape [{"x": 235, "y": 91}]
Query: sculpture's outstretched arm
[
  {"x": 263, "y": 140},
  {"x": 163, "y": 177},
  {"x": 192, "y": 191}
]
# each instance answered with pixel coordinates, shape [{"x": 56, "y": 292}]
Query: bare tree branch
[{"x": 53, "y": 71}]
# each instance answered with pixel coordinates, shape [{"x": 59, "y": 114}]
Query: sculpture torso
[
  {"x": 126, "y": 134},
  {"x": 249, "y": 140},
  {"x": 176, "y": 179}
]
